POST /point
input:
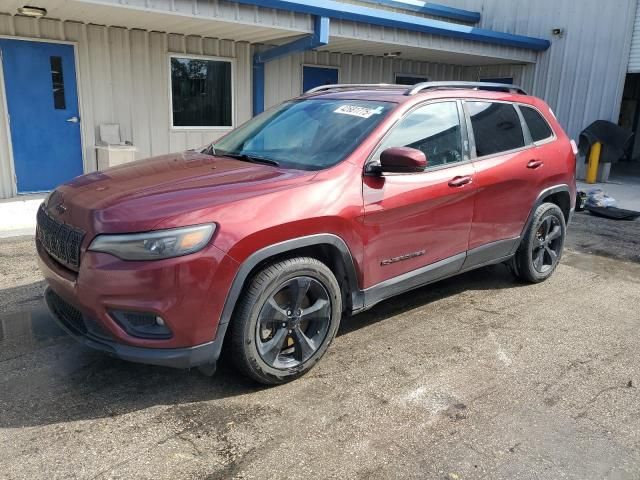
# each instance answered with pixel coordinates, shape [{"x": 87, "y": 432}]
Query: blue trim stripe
[
  {"x": 355, "y": 13},
  {"x": 319, "y": 38},
  {"x": 431, "y": 9}
]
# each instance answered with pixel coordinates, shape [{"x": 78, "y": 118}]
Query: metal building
[{"x": 177, "y": 74}]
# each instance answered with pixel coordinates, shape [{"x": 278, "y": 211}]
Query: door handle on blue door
[
  {"x": 460, "y": 181},
  {"x": 73, "y": 120}
]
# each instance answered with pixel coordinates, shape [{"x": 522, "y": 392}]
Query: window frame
[
  {"x": 222, "y": 128},
  {"x": 466, "y": 152},
  {"x": 423, "y": 78},
  {"x": 544, "y": 141},
  {"x": 528, "y": 143},
  {"x": 315, "y": 65}
]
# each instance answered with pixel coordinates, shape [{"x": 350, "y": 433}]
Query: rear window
[
  {"x": 538, "y": 126},
  {"x": 496, "y": 127}
]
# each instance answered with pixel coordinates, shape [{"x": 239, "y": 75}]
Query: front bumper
[{"x": 89, "y": 333}]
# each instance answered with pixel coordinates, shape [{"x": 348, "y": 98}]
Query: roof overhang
[
  {"x": 426, "y": 8},
  {"x": 384, "y": 18},
  {"x": 226, "y": 21}
]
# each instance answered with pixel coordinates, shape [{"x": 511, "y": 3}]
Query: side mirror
[{"x": 402, "y": 160}]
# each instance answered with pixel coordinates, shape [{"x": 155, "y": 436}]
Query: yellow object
[{"x": 594, "y": 160}]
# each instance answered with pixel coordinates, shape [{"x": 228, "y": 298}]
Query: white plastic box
[{"x": 113, "y": 155}]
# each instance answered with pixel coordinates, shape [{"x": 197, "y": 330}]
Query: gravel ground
[{"x": 477, "y": 376}]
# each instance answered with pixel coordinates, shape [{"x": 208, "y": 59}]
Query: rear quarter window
[
  {"x": 496, "y": 127},
  {"x": 538, "y": 126}
]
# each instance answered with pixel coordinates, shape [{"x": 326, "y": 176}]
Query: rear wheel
[
  {"x": 286, "y": 320},
  {"x": 541, "y": 248}
]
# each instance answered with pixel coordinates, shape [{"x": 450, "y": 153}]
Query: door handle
[
  {"x": 456, "y": 182},
  {"x": 73, "y": 120},
  {"x": 535, "y": 164}
]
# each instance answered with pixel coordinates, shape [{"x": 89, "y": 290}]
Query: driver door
[{"x": 418, "y": 224}]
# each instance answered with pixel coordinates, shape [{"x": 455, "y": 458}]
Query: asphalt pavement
[{"x": 478, "y": 376}]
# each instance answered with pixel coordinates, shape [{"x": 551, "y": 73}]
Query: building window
[
  {"x": 408, "y": 79},
  {"x": 57, "y": 83},
  {"x": 496, "y": 127},
  {"x": 201, "y": 92}
]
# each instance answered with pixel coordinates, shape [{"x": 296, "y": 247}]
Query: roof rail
[
  {"x": 349, "y": 86},
  {"x": 467, "y": 85}
]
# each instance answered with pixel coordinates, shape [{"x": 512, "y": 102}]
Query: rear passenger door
[{"x": 508, "y": 177}]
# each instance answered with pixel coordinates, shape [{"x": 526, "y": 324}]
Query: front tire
[
  {"x": 286, "y": 320},
  {"x": 541, "y": 248}
]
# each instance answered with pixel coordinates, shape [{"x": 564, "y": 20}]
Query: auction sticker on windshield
[{"x": 358, "y": 111}]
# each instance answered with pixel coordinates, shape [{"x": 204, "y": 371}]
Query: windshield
[{"x": 309, "y": 134}]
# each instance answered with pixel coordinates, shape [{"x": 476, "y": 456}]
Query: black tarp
[{"x": 614, "y": 139}]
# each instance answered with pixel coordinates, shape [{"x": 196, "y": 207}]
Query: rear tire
[
  {"x": 286, "y": 320},
  {"x": 541, "y": 247}
]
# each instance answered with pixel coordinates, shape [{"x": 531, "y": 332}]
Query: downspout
[{"x": 319, "y": 38}]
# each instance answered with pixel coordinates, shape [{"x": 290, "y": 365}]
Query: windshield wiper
[{"x": 249, "y": 158}]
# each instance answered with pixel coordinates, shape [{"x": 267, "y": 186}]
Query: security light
[{"x": 35, "y": 12}]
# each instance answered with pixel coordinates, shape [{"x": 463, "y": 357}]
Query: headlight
[{"x": 155, "y": 245}]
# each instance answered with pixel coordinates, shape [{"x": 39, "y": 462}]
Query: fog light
[{"x": 142, "y": 324}]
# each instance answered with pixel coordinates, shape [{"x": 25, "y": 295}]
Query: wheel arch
[
  {"x": 328, "y": 248},
  {"x": 559, "y": 195}
]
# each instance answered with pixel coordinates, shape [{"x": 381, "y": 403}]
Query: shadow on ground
[{"x": 47, "y": 378}]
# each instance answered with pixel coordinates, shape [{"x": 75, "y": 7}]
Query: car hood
[{"x": 139, "y": 195}]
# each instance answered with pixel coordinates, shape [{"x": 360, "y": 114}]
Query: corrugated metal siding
[
  {"x": 283, "y": 77},
  {"x": 124, "y": 79},
  {"x": 634, "y": 55},
  {"x": 582, "y": 75},
  {"x": 523, "y": 75}
]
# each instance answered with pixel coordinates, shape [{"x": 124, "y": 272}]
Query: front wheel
[
  {"x": 286, "y": 320},
  {"x": 541, "y": 248}
]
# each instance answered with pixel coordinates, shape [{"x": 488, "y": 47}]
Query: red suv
[{"x": 320, "y": 207}]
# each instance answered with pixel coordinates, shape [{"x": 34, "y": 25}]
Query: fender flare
[
  {"x": 280, "y": 248},
  {"x": 540, "y": 200}
]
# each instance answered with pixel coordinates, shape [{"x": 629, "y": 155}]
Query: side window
[
  {"x": 496, "y": 127},
  {"x": 434, "y": 129},
  {"x": 538, "y": 126}
]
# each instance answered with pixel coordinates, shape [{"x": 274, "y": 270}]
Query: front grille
[
  {"x": 67, "y": 313},
  {"x": 60, "y": 240}
]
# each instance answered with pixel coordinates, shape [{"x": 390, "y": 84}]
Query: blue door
[
  {"x": 316, "y": 76},
  {"x": 42, "y": 96}
]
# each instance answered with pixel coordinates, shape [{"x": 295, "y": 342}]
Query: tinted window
[
  {"x": 309, "y": 134},
  {"x": 200, "y": 92},
  {"x": 496, "y": 127},
  {"x": 434, "y": 129},
  {"x": 538, "y": 126}
]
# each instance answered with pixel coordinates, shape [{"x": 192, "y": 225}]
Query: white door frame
[{"x": 3, "y": 95}]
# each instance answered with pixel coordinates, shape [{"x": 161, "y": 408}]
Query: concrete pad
[
  {"x": 626, "y": 192},
  {"x": 18, "y": 215}
]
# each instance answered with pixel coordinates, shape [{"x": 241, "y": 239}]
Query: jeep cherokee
[{"x": 320, "y": 207}]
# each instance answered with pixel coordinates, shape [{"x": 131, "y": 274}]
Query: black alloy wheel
[
  {"x": 293, "y": 322},
  {"x": 548, "y": 246},
  {"x": 285, "y": 320}
]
